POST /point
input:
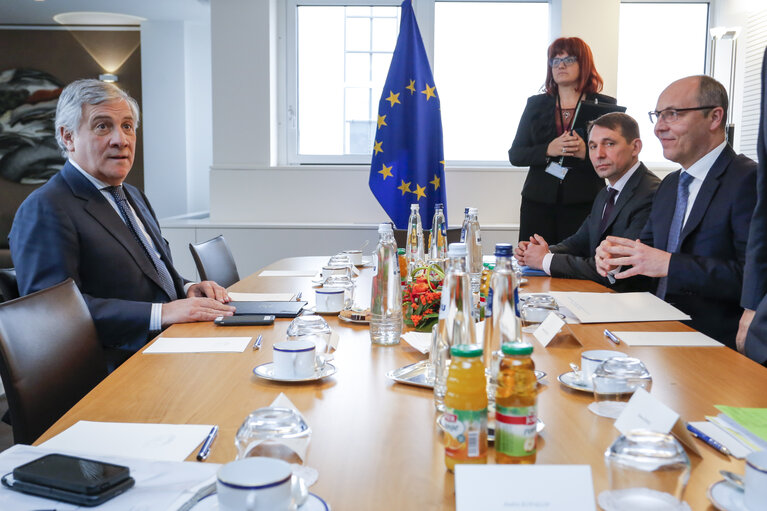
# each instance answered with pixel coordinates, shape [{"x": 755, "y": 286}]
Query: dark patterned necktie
[
  {"x": 677, "y": 222},
  {"x": 609, "y": 205},
  {"x": 162, "y": 270}
]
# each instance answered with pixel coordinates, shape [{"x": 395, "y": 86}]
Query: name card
[{"x": 549, "y": 329}]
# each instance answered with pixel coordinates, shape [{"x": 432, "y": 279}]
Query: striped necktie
[
  {"x": 677, "y": 222},
  {"x": 162, "y": 270}
]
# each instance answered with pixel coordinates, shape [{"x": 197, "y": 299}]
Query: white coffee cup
[
  {"x": 755, "y": 496},
  {"x": 255, "y": 484},
  {"x": 335, "y": 269},
  {"x": 329, "y": 299},
  {"x": 355, "y": 256},
  {"x": 294, "y": 359},
  {"x": 591, "y": 359}
]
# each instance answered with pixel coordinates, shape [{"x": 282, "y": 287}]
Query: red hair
[{"x": 589, "y": 81}]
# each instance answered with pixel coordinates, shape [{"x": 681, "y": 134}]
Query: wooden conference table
[{"x": 375, "y": 442}]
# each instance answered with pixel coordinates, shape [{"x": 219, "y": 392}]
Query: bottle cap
[
  {"x": 384, "y": 227},
  {"x": 400, "y": 251},
  {"x": 414, "y": 207},
  {"x": 517, "y": 348},
  {"x": 504, "y": 250},
  {"x": 473, "y": 211},
  {"x": 439, "y": 205},
  {"x": 456, "y": 250},
  {"x": 467, "y": 350}
]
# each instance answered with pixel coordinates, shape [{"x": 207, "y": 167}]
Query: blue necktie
[
  {"x": 162, "y": 271},
  {"x": 677, "y": 222}
]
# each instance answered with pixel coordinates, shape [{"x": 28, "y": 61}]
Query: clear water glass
[
  {"x": 615, "y": 380},
  {"x": 265, "y": 432},
  {"x": 316, "y": 329}
]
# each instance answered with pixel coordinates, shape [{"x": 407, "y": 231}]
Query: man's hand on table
[
  {"x": 208, "y": 289},
  {"x": 615, "y": 252}
]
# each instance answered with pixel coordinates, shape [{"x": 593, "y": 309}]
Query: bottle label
[
  {"x": 375, "y": 265},
  {"x": 463, "y": 234},
  {"x": 466, "y": 433},
  {"x": 442, "y": 310},
  {"x": 516, "y": 302},
  {"x": 479, "y": 238},
  {"x": 489, "y": 304},
  {"x": 515, "y": 430}
]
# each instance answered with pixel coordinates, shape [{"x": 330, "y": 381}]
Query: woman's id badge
[{"x": 556, "y": 170}]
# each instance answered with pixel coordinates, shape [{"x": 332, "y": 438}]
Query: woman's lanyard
[{"x": 561, "y": 118}]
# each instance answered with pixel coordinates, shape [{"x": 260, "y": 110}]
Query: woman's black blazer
[{"x": 537, "y": 128}]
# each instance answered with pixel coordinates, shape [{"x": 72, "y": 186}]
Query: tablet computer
[
  {"x": 277, "y": 309},
  {"x": 589, "y": 111}
]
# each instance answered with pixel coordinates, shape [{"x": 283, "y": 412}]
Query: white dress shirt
[{"x": 699, "y": 171}]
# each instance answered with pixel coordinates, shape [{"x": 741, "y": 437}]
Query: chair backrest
[
  {"x": 9, "y": 289},
  {"x": 400, "y": 236},
  {"x": 214, "y": 261},
  {"x": 50, "y": 357}
]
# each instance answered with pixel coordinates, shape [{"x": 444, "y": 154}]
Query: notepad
[
  {"x": 618, "y": 307},
  {"x": 287, "y": 273},
  {"x": 261, "y": 297},
  {"x": 689, "y": 339},
  {"x": 199, "y": 345}
]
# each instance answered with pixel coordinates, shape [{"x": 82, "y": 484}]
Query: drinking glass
[
  {"x": 316, "y": 329},
  {"x": 615, "y": 380},
  {"x": 272, "y": 432},
  {"x": 646, "y": 471},
  {"x": 346, "y": 283}
]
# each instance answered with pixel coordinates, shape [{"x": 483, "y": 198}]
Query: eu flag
[{"x": 408, "y": 163}]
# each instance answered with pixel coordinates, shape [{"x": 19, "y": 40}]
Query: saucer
[
  {"x": 726, "y": 497},
  {"x": 639, "y": 498},
  {"x": 313, "y": 503},
  {"x": 366, "y": 261},
  {"x": 323, "y": 313},
  {"x": 266, "y": 371},
  {"x": 572, "y": 380},
  {"x": 350, "y": 320}
]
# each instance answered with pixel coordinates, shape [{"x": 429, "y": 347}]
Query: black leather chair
[
  {"x": 50, "y": 357},
  {"x": 214, "y": 261},
  {"x": 400, "y": 236},
  {"x": 9, "y": 289}
]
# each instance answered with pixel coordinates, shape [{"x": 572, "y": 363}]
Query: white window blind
[{"x": 756, "y": 40}]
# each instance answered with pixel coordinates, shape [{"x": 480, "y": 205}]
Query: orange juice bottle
[
  {"x": 516, "y": 405},
  {"x": 465, "y": 418}
]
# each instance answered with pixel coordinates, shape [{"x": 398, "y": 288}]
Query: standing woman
[{"x": 552, "y": 206}]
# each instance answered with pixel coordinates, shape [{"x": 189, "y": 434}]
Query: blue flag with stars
[{"x": 408, "y": 162}]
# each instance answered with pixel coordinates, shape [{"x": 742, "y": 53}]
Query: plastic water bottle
[
  {"x": 456, "y": 326},
  {"x": 502, "y": 320},
  {"x": 438, "y": 238},
  {"x": 386, "y": 296},
  {"x": 415, "y": 245},
  {"x": 471, "y": 236}
]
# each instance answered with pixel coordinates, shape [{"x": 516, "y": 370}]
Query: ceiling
[{"x": 32, "y": 12}]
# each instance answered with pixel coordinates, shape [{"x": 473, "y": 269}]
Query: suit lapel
[
  {"x": 706, "y": 192},
  {"x": 625, "y": 195},
  {"x": 597, "y": 209},
  {"x": 666, "y": 205},
  {"x": 103, "y": 212}
]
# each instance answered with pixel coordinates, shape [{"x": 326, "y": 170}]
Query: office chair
[
  {"x": 9, "y": 289},
  {"x": 400, "y": 236},
  {"x": 50, "y": 357},
  {"x": 214, "y": 261}
]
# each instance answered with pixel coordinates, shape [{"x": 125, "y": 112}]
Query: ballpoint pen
[
  {"x": 257, "y": 344},
  {"x": 298, "y": 296},
  {"x": 710, "y": 441},
  {"x": 205, "y": 449},
  {"x": 612, "y": 337}
]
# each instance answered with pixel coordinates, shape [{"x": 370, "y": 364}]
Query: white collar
[
  {"x": 619, "y": 184},
  {"x": 700, "y": 168}
]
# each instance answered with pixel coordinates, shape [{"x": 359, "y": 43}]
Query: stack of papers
[
  {"x": 199, "y": 345},
  {"x": 261, "y": 297},
  {"x": 687, "y": 339},
  {"x": 617, "y": 307}
]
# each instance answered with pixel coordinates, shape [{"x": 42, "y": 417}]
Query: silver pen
[
  {"x": 257, "y": 344},
  {"x": 612, "y": 337},
  {"x": 298, "y": 296}
]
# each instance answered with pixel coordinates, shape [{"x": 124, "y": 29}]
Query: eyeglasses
[
  {"x": 670, "y": 115},
  {"x": 556, "y": 61}
]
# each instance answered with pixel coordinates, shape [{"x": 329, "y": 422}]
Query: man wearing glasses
[{"x": 694, "y": 242}]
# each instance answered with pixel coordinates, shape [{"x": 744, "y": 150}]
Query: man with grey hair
[
  {"x": 86, "y": 224},
  {"x": 694, "y": 242}
]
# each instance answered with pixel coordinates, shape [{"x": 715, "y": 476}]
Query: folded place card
[
  {"x": 523, "y": 487},
  {"x": 645, "y": 412},
  {"x": 549, "y": 329}
]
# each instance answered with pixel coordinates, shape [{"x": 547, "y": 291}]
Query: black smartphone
[
  {"x": 71, "y": 479},
  {"x": 245, "y": 319}
]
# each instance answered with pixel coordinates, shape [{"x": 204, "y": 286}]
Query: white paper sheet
[
  {"x": 158, "y": 483},
  {"x": 419, "y": 340},
  {"x": 163, "y": 442},
  {"x": 666, "y": 339},
  {"x": 199, "y": 345},
  {"x": 261, "y": 297},
  {"x": 535, "y": 487},
  {"x": 287, "y": 273},
  {"x": 617, "y": 307}
]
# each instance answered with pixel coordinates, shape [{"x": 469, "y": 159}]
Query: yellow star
[
  {"x": 393, "y": 98},
  {"x": 404, "y": 187},
  {"x": 419, "y": 192},
  {"x": 411, "y": 87},
  {"x": 429, "y": 91},
  {"x": 442, "y": 161},
  {"x": 378, "y": 148},
  {"x": 385, "y": 171},
  {"x": 435, "y": 182},
  {"x": 382, "y": 121}
]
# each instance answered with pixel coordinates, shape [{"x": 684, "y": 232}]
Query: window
[
  {"x": 645, "y": 64},
  {"x": 339, "y": 56},
  {"x": 485, "y": 75}
]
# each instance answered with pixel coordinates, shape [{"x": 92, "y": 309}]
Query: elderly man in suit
[
  {"x": 694, "y": 242},
  {"x": 86, "y": 224},
  {"x": 620, "y": 209}
]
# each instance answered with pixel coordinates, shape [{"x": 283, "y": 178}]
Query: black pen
[
  {"x": 205, "y": 449},
  {"x": 710, "y": 441},
  {"x": 257, "y": 344}
]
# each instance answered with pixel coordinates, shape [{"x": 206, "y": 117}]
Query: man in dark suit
[
  {"x": 620, "y": 209},
  {"x": 694, "y": 242},
  {"x": 752, "y": 334},
  {"x": 86, "y": 224}
]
